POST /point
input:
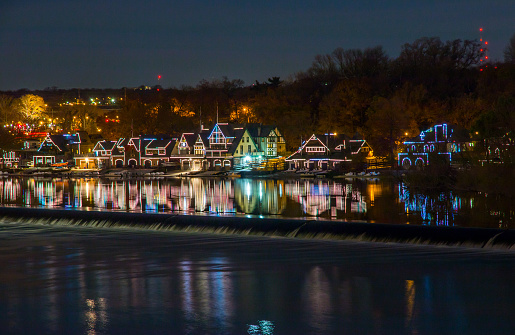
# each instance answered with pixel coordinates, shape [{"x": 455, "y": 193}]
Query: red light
[
  {"x": 159, "y": 77},
  {"x": 107, "y": 120},
  {"x": 486, "y": 57},
  {"x": 481, "y": 50},
  {"x": 480, "y": 29},
  {"x": 486, "y": 42},
  {"x": 481, "y": 70},
  {"x": 158, "y": 89}
]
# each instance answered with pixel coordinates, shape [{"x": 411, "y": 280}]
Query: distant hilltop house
[
  {"x": 445, "y": 140},
  {"x": 331, "y": 152}
]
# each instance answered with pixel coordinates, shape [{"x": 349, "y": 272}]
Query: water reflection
[
  {"x": 63, "y": 283},
  {"x": 381, "y": 201}
]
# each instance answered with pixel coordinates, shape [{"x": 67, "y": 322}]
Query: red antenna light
[
  {"x": 484, "y": 49},
  {"x": 158, "y": 77}
]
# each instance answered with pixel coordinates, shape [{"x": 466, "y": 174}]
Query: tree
[
  {"x": 445, "y": 69},
  {"x": 7, "y": 109},
  {"x": 356, "y": 63},
  {"x": 509, "y": 52},
  {"x": 466, "y": 109},
  {"x": 8, "y": 141},
  {"x": 80, "y": 117},
  {"x": 31, "y": 107},
  {"x": 388, "y": 123},
  {"x": 344, "y": 109}
]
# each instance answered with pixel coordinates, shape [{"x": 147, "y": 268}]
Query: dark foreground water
[{"x": 82, "y": 280}]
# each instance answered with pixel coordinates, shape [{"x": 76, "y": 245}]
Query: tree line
[{"x": 346, "y": 91}]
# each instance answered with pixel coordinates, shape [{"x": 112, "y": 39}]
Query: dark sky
[{"x": 112, "y": 44}]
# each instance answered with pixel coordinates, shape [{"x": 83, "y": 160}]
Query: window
[
  {"x": 315, "y": 149},
  {"x": 250, "y": 148}
]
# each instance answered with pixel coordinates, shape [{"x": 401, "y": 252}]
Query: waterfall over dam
[{"x": 271, "y": 227}]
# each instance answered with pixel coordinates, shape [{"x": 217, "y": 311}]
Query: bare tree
[
  {"x": 7, "y": 108},
  {"x": 509, "y": 52}
]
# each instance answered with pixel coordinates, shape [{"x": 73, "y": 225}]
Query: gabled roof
[
  {"x": 259, "y": 130},
  {"x": 60, "y": 141},
  {"x": 159, "y": 144},
  {"x": 104, "y": 145},
  {"x": 136, "y": 142},
  {"x": 189, "y": 138},
  {"x": 204, "y": 137},
  {"x": 441, "y": 133},
  {"x": 313, "y": 141},
  {"x": 333, "y": 141},
  {"x": 227, "y": 129},
  {"x": 122, "y": 142},
  {"x": 238, "y": 134}
]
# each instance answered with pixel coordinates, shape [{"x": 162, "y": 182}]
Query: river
[
  {"x": 371, "y": 200},
  {"x": 121, "y": 280}
]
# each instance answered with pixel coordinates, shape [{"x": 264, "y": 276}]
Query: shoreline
[{"x": 125, "y": 173}]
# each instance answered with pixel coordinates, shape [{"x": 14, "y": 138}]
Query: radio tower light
[{"x": 483, "y": 45}]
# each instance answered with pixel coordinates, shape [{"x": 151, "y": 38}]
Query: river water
[
  {"x": 88, "y": 280},
  {"x": 370, "y": 200}
]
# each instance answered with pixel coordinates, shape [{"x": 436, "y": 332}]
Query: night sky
[{"x": 114, "y": 44}]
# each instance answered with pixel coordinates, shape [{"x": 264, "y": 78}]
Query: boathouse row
[
  {"x": 225, "y": 146},
  {"x": 334, "y": 152},
  {"x": 442, "y": 141}
]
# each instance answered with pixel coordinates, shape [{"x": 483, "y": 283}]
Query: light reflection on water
[
  {"x": 92, "y": 281},
  {"x": 372, "y": 200}
]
